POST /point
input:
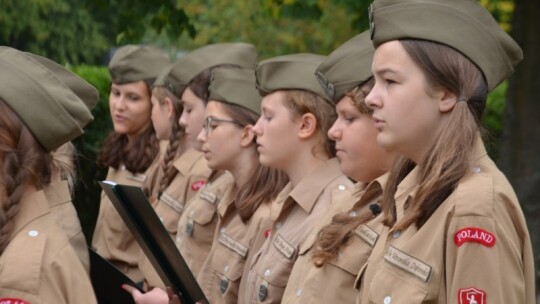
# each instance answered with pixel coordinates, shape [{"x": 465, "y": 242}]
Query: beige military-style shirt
[
  {"x": 333, "y": 282},
  {"x": 112, "y": 238},
  {"x": 39, "y": 264},
  {"x": 197, "y": 224},
  {"x": 192, "y": 175},
  {"x": 59, "y": 197},
  {"x": 302, "y": 209},
  {"x": 475, "y": 248},
  {"x": 221, "y": 273}
]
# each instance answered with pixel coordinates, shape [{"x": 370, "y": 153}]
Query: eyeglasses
[{"x": 210, "y": 123}]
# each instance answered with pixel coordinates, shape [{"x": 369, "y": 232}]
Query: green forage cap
[
  {"x": 461, "y": 24},
  {"x": 50, "y": 109},
  {"x": 290, "y": 72},
  {"x": 241, "y": 54},
  {"x": 236, "y": 86},
  {"x": 346, "y": 67},
  {"x": 133, "y": 63}
]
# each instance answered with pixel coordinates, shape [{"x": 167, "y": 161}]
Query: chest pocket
[
  {"x": 391, "y": 286},
  {"x": 204, "y": 208},
  {"x": 352, "y": 256},
  {"x": 228, "y": 264}
]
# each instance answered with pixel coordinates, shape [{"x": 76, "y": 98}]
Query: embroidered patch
[
  {"x": 367, "y": 234},
  {"x": 233, "y": 245},
  {"x": 408, "y": 263},
  {"x": 137, "y": 177},
  {"x": 285, "y": 248},
  {"x": 171, "y": 202},
  {"x": 12, "y": 301},
  {"x": 198, "y": 185},
  {"x": 474, "y": 234},
  {"x": 471, "y": 296},
  {"x": 208, "y": 196}
]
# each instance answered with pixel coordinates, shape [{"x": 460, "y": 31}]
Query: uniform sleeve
[{"x": 484, "y": 262}]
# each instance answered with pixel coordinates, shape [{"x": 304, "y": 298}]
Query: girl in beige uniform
[
  {"x": 455, "y": 231},
  {"x": 340, "y": 244},
  {"x": 291, "y": 136},
  {"x": 39, "y": 113},
  {"x": 131, "y": 151}
]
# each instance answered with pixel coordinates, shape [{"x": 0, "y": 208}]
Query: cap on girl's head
[
  {"x": 133, "y": 63},
  {"x": 243, "y": 55},
  {"x": 346, "y": 67},
  {"x": 290, "y": 72},
  {"x": 461, "y": 24},
  {"x": 236, "y": 86},
  {"x": 51, "y": 109}
]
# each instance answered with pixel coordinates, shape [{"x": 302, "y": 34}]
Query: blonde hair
[{"x": 449, "y": 159}]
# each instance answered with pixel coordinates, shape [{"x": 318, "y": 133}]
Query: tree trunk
[{"x": 520, "y": 142}]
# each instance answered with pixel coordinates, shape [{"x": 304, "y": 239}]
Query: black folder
[
  {"x": 107, "y": 281},
  {"x": 139, "y": 216}
]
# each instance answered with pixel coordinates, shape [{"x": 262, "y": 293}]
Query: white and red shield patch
[
  {"x": 474, "y": 234},
  {"x": 198, "y": 185},
  {"x": 471, "y": 296},
  {"x": 12, "y": 301}
]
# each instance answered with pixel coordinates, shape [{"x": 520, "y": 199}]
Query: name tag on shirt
[
  {"x": 233, "y": 245},
  {"x": 408, "y": 263},
  {"x": 171, "y": 202},
  {"x": 208, "y": 196},
  {"x": 282, "y": 246},
  {"x": 367, "y": 234}
]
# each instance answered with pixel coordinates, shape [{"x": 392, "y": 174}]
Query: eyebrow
[{"x": 385, "y": 71}]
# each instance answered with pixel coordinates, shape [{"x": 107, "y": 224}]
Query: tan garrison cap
[
  {"x": 461, "y": 24},
  {"x": 346, "y": 67},
  {"x": 133, "y": 63},
  {"x": 236, "y": 86},
  {"x": 290, "y": 72},
  {"x": 186, "y": 68},
  {"x": 47, "y": 106},
  {"x": 85, "y": 91}
]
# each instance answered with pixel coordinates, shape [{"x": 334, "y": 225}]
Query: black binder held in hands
[{"x": 141, "y": 219}]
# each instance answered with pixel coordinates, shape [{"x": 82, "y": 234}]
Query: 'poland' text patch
[{"x": 474, "y": 234}]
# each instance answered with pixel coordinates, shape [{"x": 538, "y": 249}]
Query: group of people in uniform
[{"x": 357, "y": 177}]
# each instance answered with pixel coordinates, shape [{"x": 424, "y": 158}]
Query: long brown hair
[
  {"x": 138, "y": 156},
  {"x": 338, "y": 233},
  {"x": 449, "y": 159},
  {"x": 24, "y": 163},
  {"x": 301, "y": 102},
  {"x": 266, "y": 183},
  {"x": 175, "y": 146}
]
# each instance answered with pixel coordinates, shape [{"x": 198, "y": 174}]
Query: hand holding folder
[{"x": 143, "y": 222}]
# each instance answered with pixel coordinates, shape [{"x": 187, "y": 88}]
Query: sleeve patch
[
  {"x": 198, "y": 185},
  {"x": 474, "y": 234},
  {"x": 12, "y": 301},
  {"x": 471, "y": 296}
]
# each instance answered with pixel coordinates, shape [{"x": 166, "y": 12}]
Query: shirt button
[
  {"x": 476, "y": 170},
  {"x": 33, "y": 233},
  {"x": 341, "y": 187},
  {"x": 226, "y": 269},
  {"x": 352, "y": 213},
  {"x": 161, "y": 219},
  {"x": 267, "y": 272},
  {"x": 222, "y": 230},
  {"x": 396, "y": 234},
  {"x": 387, "y": 300},
  {"x": 298, "y": 292},
  {"x": 278, "y": 225}
]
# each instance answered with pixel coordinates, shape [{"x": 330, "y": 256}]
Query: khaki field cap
[
  {"x": 290, "y": 72},
  {"x": 243, "y": 55},
  {"x": 346, "y": 67},
  {"x": 461, "y": 24},
  {"x": 236, "y": 86},
  {"x": 133, "y": 63},
  {"x": 47, "y": 106}
]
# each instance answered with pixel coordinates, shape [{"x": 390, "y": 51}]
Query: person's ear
[
  {"x": 308, "y": 125},
  {"x": 168, "y": 104},
  {"x": 248, "y": 136},
  {"x": 447, "y": 101}
]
